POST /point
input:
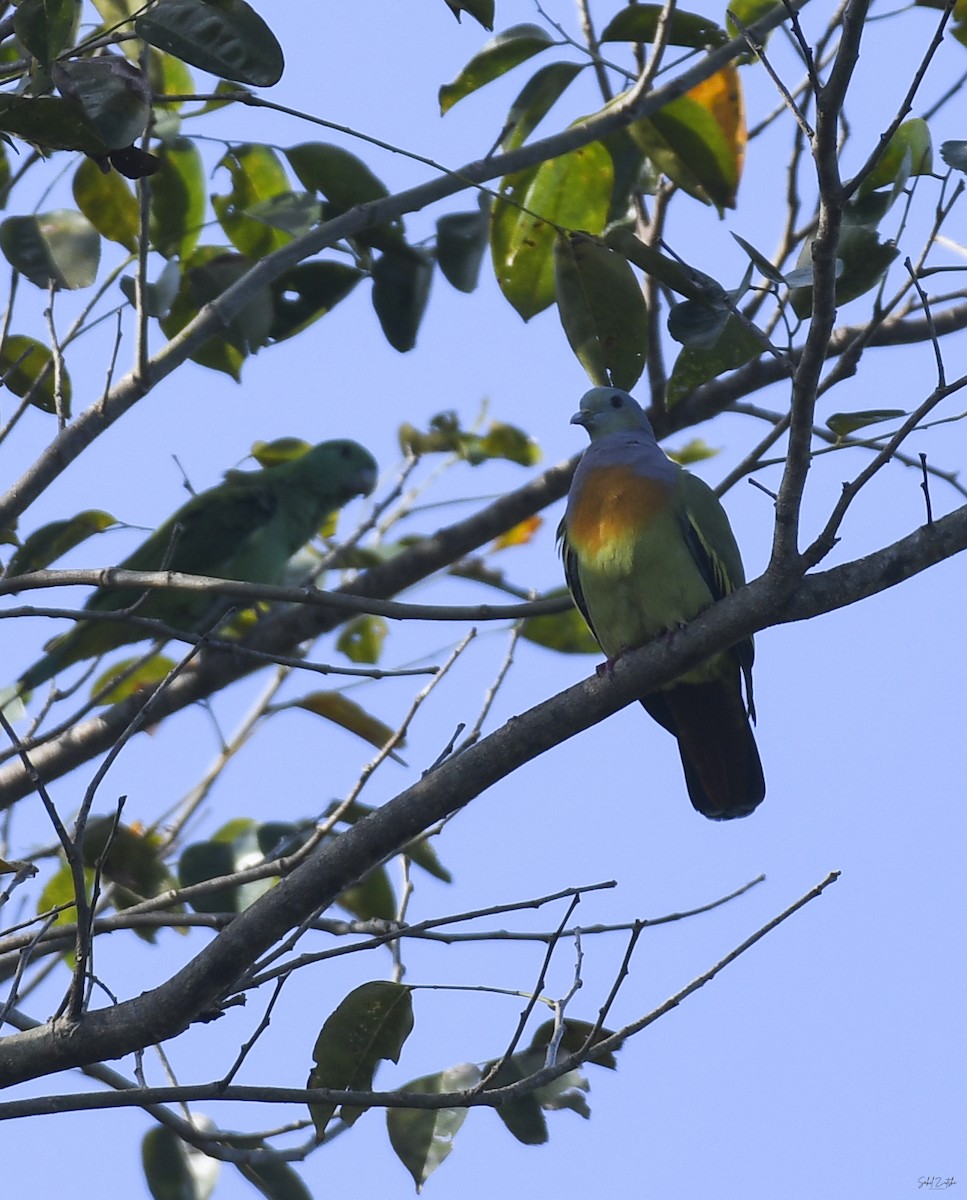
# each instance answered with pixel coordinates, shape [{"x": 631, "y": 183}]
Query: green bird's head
[
  {"x": 338, "y": 470},
  {"x": 607, "y": 410}
]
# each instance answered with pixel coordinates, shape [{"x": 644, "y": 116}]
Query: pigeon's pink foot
[{"x": 607, "y": 667}]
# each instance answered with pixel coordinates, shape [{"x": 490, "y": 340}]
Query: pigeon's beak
[
  {"x": 366, "y": 480},
  {"x": 581, "y": 418}
]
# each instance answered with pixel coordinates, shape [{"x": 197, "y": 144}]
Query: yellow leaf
[
  {"x": 520, "y": 535},
  {"x": 339, "y": 709},
  {"x": 721, "y": 95}
]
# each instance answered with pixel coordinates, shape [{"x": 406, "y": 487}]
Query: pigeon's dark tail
[{"x": 723, "y": 773}]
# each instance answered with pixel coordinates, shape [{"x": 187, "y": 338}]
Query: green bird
[
  {"x": 647, "y": 546},
  {"x": 247, "y": 528}
]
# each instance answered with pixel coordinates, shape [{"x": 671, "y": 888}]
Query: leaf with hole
[
  {"x": 257, "y": 177},
  {"x": 369, "y": 1025}
]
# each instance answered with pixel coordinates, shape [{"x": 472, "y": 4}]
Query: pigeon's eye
[{"x": 617, "y": 400}]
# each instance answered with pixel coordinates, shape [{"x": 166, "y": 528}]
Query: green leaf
[
  {"x": 345, "y": 181},
  {"x": 401, "y": 288},
  {"x": 235, "y": 847},
  {"x": 697, "y": 324},
  {"x": 372, "y": 899},
  {"x": 335, "y": 173},
  {"x": 46, "y": 27},
  {"x": 482, "y": 11},
  {"x": 306, "y": 292},
  {"x": 278, "y": 838},
  {"x": 108, "y": 203},
  {"x": 639, "y": 23},
  {"x": 695, "y": 450},
  {"x": 113, "y": 94},
  {"x": 257, "y": 175},
  {"x": 173, "y": 1170},
  {"x": 133, "y": 675},
  {"x": 371, "y": 1024},
  {"x": 845, "y": 423},
  {"x": 537, "y": 97},
  {"x": 445, "y": 436},
  {"x": 169, "y": 77},
  {"x": 507, "y": 442},
  {"x": 423, "y": 1138},
  {"x": 773, "y": 274},
  {"x": 909, "y": 152},
  {"x": 58, "y": 890},
  {"x": 346, "y": 713},
  {"x": 128, "y": 858},
  {"x": 27, "y": 369},
  {"x": 361, "y": 640},
  {"x": 274, "y": 1177},
  {"x": 865, "y": 261},
  {"x": 735, "y": 345},
  {"x": 507, "y": 50},
  {"x": 954, "y": 154},
  {"x": 461, "y": 239},
  {"x": 422, "y": 853},
  {"x": 50, "y": 122},
  {"x": 522, "y": 1115},
  {"x": 279, "y": 450},
  {"x": 748, "y": 12},
  {"x": 566, "y": 632},
  {"x": 60, "y": 247},
  {"x": 294, "y": 213},
  {"x": 117, "y": 13},
  {"x": 602, "y": 309},
  {"x": 207, "y": 273},
  {"x": 574, "y": 1038},
  {"x": 572, "y": 191},
  {"x": 158, "y": 296},
  {"x": 48, "y": 543},
  {"x": 227, "y": 38},
  {"x": 177, "y": 199}
]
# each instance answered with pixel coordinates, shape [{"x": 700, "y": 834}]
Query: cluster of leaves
[
  {"x": 373, "y": 1023},
  {"x": 558, "y": 233},
  {"x": 562, "y": 232},
  {"x": 369, "y": 1026}
]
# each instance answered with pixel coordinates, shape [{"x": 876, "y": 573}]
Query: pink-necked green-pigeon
[{"x": 647, "y": 546}]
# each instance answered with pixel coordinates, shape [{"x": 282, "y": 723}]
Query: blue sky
[{"x": 828, "y": 1059}]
